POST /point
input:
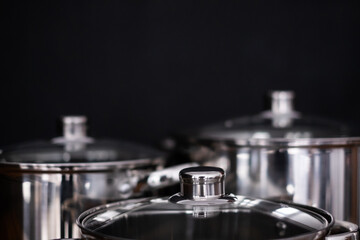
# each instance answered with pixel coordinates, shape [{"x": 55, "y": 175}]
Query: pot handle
[
  {"x": 343, "y": 231},
  {"x": 167, "y": 176}
]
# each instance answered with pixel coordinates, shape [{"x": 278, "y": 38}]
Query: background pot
[
  {"x": 46, "y": 185},
  {"x": 282, "y": 154}
]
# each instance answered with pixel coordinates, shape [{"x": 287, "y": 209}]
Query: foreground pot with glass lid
[
  {"x": 202, "y": 211},
  {"x": 282, "y": 154},
  {"x": 46, "y": 185}
]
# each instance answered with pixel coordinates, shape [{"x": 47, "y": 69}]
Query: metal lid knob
[
  {"x": 202, "y": 186},
  {"x": 74, "y": 127},
  {"x": 282, "y": 101},
  {"x": 202, "y": 182},
  {"x": 74, "y": 133}
]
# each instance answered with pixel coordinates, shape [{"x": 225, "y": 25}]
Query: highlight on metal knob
[
  {"x": 282, "y": 101},
  {"x": 202, "y": 182},
  {"x": 202, "y": 186},
  {"x": 74, "y": 127}
]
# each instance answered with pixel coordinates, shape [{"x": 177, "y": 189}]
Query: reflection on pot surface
[{"x": 321, "y": 177}]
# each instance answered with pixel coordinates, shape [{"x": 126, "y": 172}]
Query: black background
[{"x": 140, "y": 70}]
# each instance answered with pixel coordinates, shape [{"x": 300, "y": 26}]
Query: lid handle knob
[
  {"x": 282, "y": 102},
  {"x": 74, "y": 127},
  {"x": 200, "y": 183}
]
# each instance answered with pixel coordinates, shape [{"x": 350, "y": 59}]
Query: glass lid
[
  {"x": 202, "y": 211},
  {"x": 75, "y": 147},
  {"x": 280, "y": 124}
]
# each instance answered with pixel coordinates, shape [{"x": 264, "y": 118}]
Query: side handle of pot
[
  {"x": 343, "y": 231},
  {"x": 167, "y": 176}
]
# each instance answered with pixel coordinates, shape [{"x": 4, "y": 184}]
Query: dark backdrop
[{"x": 140, "y": 70}]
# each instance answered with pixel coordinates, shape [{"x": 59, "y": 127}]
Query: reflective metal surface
[
  {"x": 326, "y": 177},
  {"x": 47, "y": 185},
  {"x": 162, "y": 220},
  {"x": 204, "y": 215},
  {"x": 282, "y": 155},
  {"x": 40, "y": 205},
  {"x": 343, "y": 231},
  {"x": 201, "y": 183},
  {"x": 202, "y": 186}
]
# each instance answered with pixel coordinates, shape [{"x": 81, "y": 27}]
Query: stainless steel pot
[
  {"x": 46, "y": 185},
  {"x": 202, "y": 211},
  {"x": 282, "y": 154}
]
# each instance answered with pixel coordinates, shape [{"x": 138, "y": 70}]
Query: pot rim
[
  {"x": 281, "y": 142},
  {"x": 96, "y": 210},
  {"x": 80, "y": 167}
]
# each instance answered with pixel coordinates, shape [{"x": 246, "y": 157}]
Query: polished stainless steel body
[
  {"x": 280, "y": 154},
  {"x": 326, "y": 177},
  {"x": 44, "y": 205},
  {"x": 47, "y": 185}
]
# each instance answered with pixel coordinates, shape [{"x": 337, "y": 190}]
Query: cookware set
[{"x": 293, "y": 176}]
